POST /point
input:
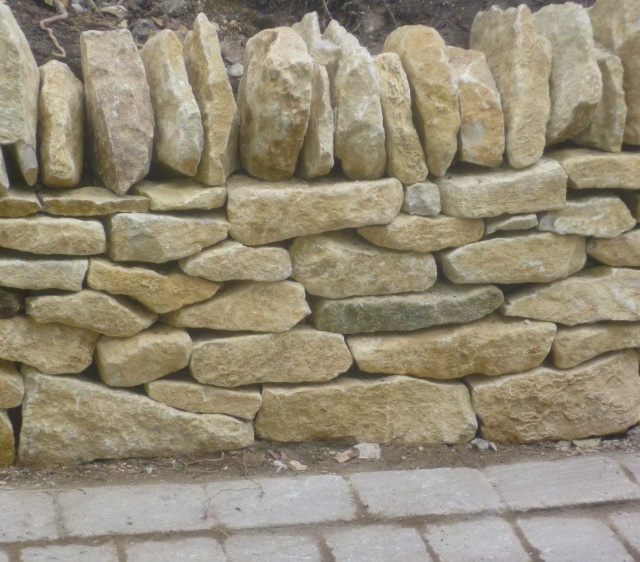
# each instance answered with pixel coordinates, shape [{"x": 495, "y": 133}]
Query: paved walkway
[{"x": 582, "y": 509}]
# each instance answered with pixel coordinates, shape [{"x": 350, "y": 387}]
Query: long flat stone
[
  {"x": 181, "y": 195},
  {"x": 588, "y": 169},
  {"x": 271, "y": 547},
  {"x": 38, "y": 274},
  {"x": 90, "y": 201},
  {"x": 100, "y": 553},
  {"x": 29, "y": 515},
  {"x": 196, "y": 549},
  {"x": 621, "y": 251},
  {"x": 18, "y": 202}
]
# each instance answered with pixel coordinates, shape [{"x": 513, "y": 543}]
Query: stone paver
[
  {"x": 628, "y": 526},
  {"x": 272, "y": 548},
  {"x": 199, "y": 549},
  {"x": 27, "y": 516},
  {"x": 71, "y": 553},
  {"x": 632, "y": 464},
  {"x": 4, "y": 557}
]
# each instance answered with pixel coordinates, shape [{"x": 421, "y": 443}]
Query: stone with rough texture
[
  {"x": 18, "y": 202},
  {"x": 247, "y": 306},
  {"x": 161, "y": 238},
  {"x": 181, "y": 195},
  {"x": 10, "y": 304},
  {"x": 159, "y": 292},
  {"x": 398, "y": 409},
  {"x": 309, "y": 29},
  {"x": 596, "y": 398},
  {"x": 4, "y": 177},
  {"x": 520, "y": 61},
  {"x": 93, "y": 310},
  {"x": 261, "y": 212},
  {"x": 490, "y": 346},
  {"x": 340, "y": 264},
  {"x": 72, "y": 420},
  {"x": 119, "y": 110},
  {"x": 515, "y": 258},
  {"x": 212, "y": 90},
  {"x": 11, "y": 386},
  {"x": 442, "y": 304},
  {"x": 60, "y": 125},
  {"x": 300, "y": 355},
  {"x": 422, "y": 199},
  {"x": 622, "y": 251},
  {"x": 38, "y": 274},
  {"x": 633, "y": 202},
  {"x": 7, "y": 441},
  {"x": 91, "y": 201},
  {"x": 507, "y": 223}
]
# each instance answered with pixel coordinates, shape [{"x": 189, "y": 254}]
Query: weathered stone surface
[
  {"x": 402, "y": 410},
  {"x": 481, "y": 137},
  {"x": 261, "y": 212},
  {"x": 596, "y": 398},
  {"x": 162, "y": 238},
  {"x": 200, "y": 399},
  {"x": 510, "y": 223},
  {"x": 212, "y": 90},
  {"x": 37, "y": 274},
  {"x": 622, "y": 251},
  {"x": 442, "y": 304},
  {"x": 517, "y": 258},
  {"x": 18, "y": 202},
  {"x": 4, "y": 177},
  {"x": 159, "y": 292},
  {"x": 490, "y": 193},
  {"x": 27, "y": 341},
  {"x": 599, "y": 293},
  {"x": 91, "y": 201},
  {"x": 422, "y": 199},
  {"x": 575, "y": 84},
  {"x": 247, "y": 306},
  {"x": 72, "y": 420},
  {"x": 10, "y": 304},
  {"x": 274, "y": 100},
  {"x": 181, "y": 195},
  {"x": 231, "y": 260},
  {"x": 61, "y": 125},
  {"x": 11, "y": 386},
  {"x": 300, "y": 355},
  {"x": 7, "y": 442},
  {"x": 309, "y": 29},
  {"x": 119, "y": 111},
  {"x": 434, "y": 90},
  {"x": 520, "y": 61},
  {"x": 327, "y": 54},
  {"x": 48, "y": 235},
  {"x": 600, "y": 216},
  {"x": 93, "y": 310},
  {"x": 424, "y": 234}
]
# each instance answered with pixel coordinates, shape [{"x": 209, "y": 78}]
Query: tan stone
[
  {"x": 400, "y": 410},
  {"x": 18, "y": 202},
  {"x": 298, "y": 356},
  {"x": 7, "y": 441},
  {"x": 91, "y": 201},
  {"x": 481, "y": 137},
  {"x": 509, "y": 223},
  {"x": 210, "y": 82},
  {"x": 200, "y": 399},
  {"x": 181, "y": 195},
  {"x": 261, "y": 212},
  {"x": 72, "y": 420},
  {"x": 231, "y": 260},
  {"x": 593, "y": 295},
  {"x": 119, "y": 111},
  {"x": 51, "y": 348},
  {"x": 247, "y": 306},
  {"x": 11, "y": 386},
  {"x": 339, "y": 36},
  {"x": 597, "y": 398},
  {"x": 434, "y": 90},
  {"x": 309, "y": 29},
  {"x": 4, "y": 177},
  {"x": 36, "y": 274},
  {"x": 162, "y": 238},
  {"x": 622, "y": 251},
  {"x": 490, "y": 346},
  {"x": 93, "y": 310},
  {"x": 422, "y": 199},
  {"x": 520, "y": 61},
  {"x": 61, "y": 125}
]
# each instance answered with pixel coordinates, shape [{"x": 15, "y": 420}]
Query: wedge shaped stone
[
  {"x": 4, "y": 177},
  {"x": 309, "y": 29},
  {"x": 422, "y": 199},
  {"x": 91, "y": 201},
  {"x": 596, "y": 398},
  {"x": 181, "y": 195},
  {"x": 10, "y": 304},
  {"x": 622, "y": 251},
  {"x": 7, "y": 441},
  {"x": 509, "y": 223},
  {"x": 401, "y": 410},
  {"x": 38, "y": 274},
  {"x": 11, "y": 386},
  {"x": 18, "y": 202}
]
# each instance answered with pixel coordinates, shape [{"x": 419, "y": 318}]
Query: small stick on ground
[{"x": 44, "y": 23}]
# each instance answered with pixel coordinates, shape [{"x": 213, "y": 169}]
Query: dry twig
[{"x": 44, "y": 23}]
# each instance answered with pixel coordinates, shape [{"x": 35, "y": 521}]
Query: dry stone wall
[{"x": 389, "y": 248}]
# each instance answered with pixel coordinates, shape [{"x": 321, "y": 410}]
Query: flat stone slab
[
  {"x": 102, "y": 553},
  {"x": 621, "y": 251},
  {"x": 19, "y": 203},
  {"x": 508, "y": 223},
  {"x": 627, "y": 525},
  {"x": 197, "y": 549},
  {"x": 30, "y": 515},
  {"x": 589, "y": 169},
  {"x": 181, "y": 195},
  {"x": 90, "y": 201},
  {"x": 37, "y": 274},
  {"x": 270, "y": 547}
]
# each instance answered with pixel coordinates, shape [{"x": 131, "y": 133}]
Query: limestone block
[
  {"x": 212, "y": 90},
  {"x": 7, "y": 441},
  {"x": 52, "y": 348},
  {"x": 442, "y": 304},
  {"x": 200, "y": 399},
  {"x": 340, "y": 264},
  {"x": 424, "y": 234},
  {"x": 91, "y": 201},
  {"x": 10, "y": 304},
  {"x": 309, "y": 29},
  {"x": 159, "y": 292},
  {"x": 18, "y": 202},
  {"x": 231, "y": 260},
  {"x": 11, "y": 386},
  {"x": 36, "y": 274},
  {"x": 261, "y": 212},
  {"x": 516, "y": 258},
  {"x": 481, "y": 137},
  {"x": 339, "y": 36},
  {"x": 327, "y": 54},
  {"x": 298, "y": 356},
  {"x": 596, "y": 398},
  {"x": 247, "y": 306},
  {"x": 593, "y": 295},
  {"x": 72, "y": 420},
  {"x": 622, "y": 251},
  {"x": 510, "y": 222},
  {"x": 274, "y": 100},
  {"x": 61, "y": 125},
  {"x": 93, "y": 310},
  {"x": 162, "y": 238},
  {"x": 119, "y": 111},
  {"x": 489, "y": 346},
  {"x": 520, "y": 61},
  {"x": 400, "y": 410},
  {"x": 434, "y": 90},
  {"x": 490, "y": 193},
  {"x": 181, "y": 195},
  {"x": 422, "y": 199}
]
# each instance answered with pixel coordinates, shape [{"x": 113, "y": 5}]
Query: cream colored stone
[
  {"x": 516, "y": 258},
  {"x": 509, "y": 223},
  {"x": 520, "y": 61},
  {"x": 261, "y": 212},
  {"x": 161, "y": 238},
  {"x": 339, "y": 36},
  {"x": 622, "y": 251},
  {"x": 18, "y": 202},
  {"x": 36, "y": 274},
  {"x": 11, "y": 386},
  {"x": 400, "y": 410},
  {"x": 181, "y": 195},
  {"x": 309, "y": 29},
  {"x": 159, "y": 292},
  {"x": 422, "y": 199},
  {"x": 597, "y": 398},
  {"x": 7, "y": 441},
  {"x": 91, "y": 201},
  {"x": 327, "y": 54}
]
